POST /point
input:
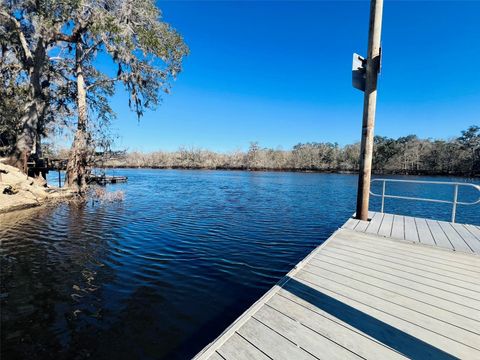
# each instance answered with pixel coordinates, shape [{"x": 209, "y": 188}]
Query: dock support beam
[{"x": 369, "y": 107}]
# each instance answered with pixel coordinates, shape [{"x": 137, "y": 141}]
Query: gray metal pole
[
  {"x": 455, "y": 199},
  {"x": 369, "y": 107},
  {"x": 383, "y": 196}
]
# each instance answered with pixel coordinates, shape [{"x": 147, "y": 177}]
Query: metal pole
[
  {"x": 383, "y": 196},
  {"x": 454, "y": 210},
  {"x": 59, "y": 178},
  {"x": 369, "y": 107}
]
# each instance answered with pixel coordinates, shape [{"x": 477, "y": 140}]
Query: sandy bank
[{"x": 18, "y": 191}]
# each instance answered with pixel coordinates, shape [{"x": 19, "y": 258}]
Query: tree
[
  {"x": 51, "y": 47},
  {"x": 470, "y": 142},
  {"x": 384, "y": 149},
  {"x": 12, "y": 95},
  {"x": 28, "y": 31},
  {"x": 146, "y": 52},
  {"x": 23, "y": 44},
  {"x": 351, "y": 157},
  {"x": 252, "y": 155}
]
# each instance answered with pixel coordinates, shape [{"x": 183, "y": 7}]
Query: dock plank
[
  {"x": 236, "y": 347},
  {"x": 331, "y": 327},
  {"x": 472, "y": 242},
  {"x": 474, "y": 230},
  {"x": 400, "y": 252},
  {"x": 351, "y": 224},
  {"x": 386, "y": 226},
  {"x": 398, "y": 227},
  {"x": 456, "y": 257},
  {"x": 440, "y": 238},
  {"x": 411, "y": 232},
  {"x": 442, "y": 259},
  {"x": 458, "y": 278},
  {"x": 393, "y": 293},
  {"x": 387, "y": 336},
  {"x": 399, "y": 318},
  {"x": 362, "y": 226},
  {"x": 270, "y": 342},
  {"x": 450, "y": 301},
  {"x": 410, "y": 274},
  {"x": 457, "y": 241},
  {"x": 305, "y": 338},
  {"x": 216, "y": 356},
  {"x": 424, "y": 234},
  {"x": 375, "y": 223}
]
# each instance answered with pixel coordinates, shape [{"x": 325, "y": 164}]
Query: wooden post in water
[{"x": 369, "y": 107}]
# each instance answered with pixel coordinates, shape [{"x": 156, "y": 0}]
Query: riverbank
[
  {"x": 118, "y": 165},
  {"x": 19, "y": 191},
  {"x": 408, "y": 155}
]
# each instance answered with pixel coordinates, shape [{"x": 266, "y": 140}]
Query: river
[{"x": 163, "y": 272}]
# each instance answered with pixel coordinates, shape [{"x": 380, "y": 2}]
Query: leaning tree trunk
[
  {"x": 26, "y": 139},
  {"x": 77, "y": 162},
  {"x": 35, "y": 109}
]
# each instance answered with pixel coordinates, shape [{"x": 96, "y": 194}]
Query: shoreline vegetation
[
  {"x": 408, "y": 155},
  {"x": 304, "y": 171}
]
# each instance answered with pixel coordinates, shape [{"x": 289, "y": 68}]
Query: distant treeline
[{"x": 405, "y": 155}]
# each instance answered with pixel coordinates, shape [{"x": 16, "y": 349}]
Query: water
[{"x": 162, "y": 273}]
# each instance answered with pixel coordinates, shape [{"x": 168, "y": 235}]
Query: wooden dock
[
  {"x": 106, "y": 179},
  {"x": 393, "y": 287}
]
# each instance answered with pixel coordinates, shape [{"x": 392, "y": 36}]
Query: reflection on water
[{"x": 162, "y": 273}]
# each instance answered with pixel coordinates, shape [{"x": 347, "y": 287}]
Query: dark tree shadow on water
[
  {"x": 51, "y": 281},
  {"x": 384, "y": 333},
  {"x": 205, "y": 332},
  {"x": 30, "y": 295}
]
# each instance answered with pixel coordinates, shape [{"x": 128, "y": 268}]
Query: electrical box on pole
[{"x": 359, "y": 69}]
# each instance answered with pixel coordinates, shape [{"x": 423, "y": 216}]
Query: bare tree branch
[{"x": 26, "y": 53}]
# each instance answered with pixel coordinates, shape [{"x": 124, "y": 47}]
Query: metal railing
[{"x": 454, "y": 202}]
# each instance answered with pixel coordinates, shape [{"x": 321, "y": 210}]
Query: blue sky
[{"x": 279, "y": 73}]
